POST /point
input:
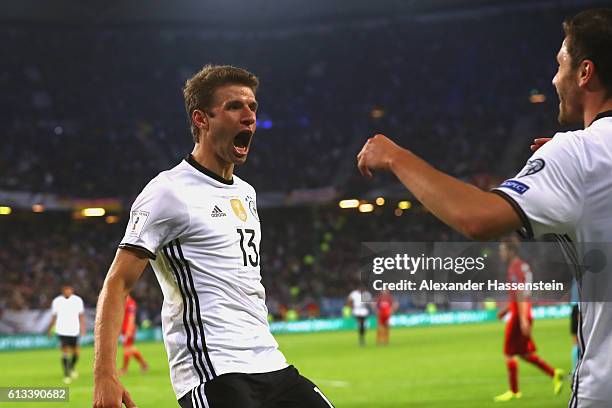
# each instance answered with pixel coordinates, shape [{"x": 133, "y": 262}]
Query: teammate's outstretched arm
[
  {"x": 124, "y": 272},
  {"x": 475, "y": 213}
]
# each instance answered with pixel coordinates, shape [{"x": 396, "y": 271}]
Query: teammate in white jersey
[
  {"x": 68, "y": 318},
  {"x": 565, "y": 188},
  {"x": 358, "y": 302},
  {"x": 197, "y": 224}
]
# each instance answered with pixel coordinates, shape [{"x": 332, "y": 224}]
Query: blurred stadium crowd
[
  {"x": 310, "y": 258},
  {"x": 103, "y": 120},
  {"x": 97, "y": 111}
]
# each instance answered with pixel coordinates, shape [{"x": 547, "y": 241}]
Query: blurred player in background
[
  {"x": 198, "y": 225},
  {"x": 518, "y": 341},
  {"x": 128, "y": 330},
  {"x": 385, "y": 307},
  {"x": 358, "y": 302},
  {"x": 564, "y": 189},
  {"x": 68, "y": 318},
  {"x": 574, "y": 326}
]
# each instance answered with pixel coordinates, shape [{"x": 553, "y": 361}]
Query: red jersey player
[
  {"x": 128, "y": 330},
  {"x": 518, "y": 341},
  {"x": 385, "y": 306}
]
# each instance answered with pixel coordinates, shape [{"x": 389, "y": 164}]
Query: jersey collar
[
  {"x": 606, "y": 114},
  {"x": 189, "y": 159}
]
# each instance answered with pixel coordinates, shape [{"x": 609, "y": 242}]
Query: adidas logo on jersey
[{"x": 217, "y": 212}]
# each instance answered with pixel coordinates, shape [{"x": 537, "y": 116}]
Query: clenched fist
[
  {"x": 110, "y": 393},
  {"x": 377, "y": 154}
]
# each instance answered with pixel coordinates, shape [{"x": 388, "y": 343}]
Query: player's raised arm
[
  {"x": 125, "y": 270},
  {"x": 475, "y": 213}
]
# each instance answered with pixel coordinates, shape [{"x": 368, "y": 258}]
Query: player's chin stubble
[
  {"x": 566, "y": 116},
  {"x": 561, "y": 117}
]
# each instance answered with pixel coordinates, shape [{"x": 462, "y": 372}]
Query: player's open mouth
[{"x": 242, "y": 141}]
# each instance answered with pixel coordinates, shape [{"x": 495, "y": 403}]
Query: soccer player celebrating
[
  {"x": 385, "y": 307},
  {"x": 564, "y": 189},
  {"x": 128, "y": 330},
  {"x": 518, "y": 341},
  {"x": 68, "y": 318},
  {"x": 197, "y": 224}
]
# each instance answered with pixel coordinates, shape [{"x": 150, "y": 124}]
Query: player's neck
[
  {"x": 591, "y": 110},
  {"x": 207, "y": 159}
]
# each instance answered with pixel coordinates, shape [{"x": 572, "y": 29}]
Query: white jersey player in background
[
  {"x": 358, "y": 302},
  {"x": 565, "y": 188},
  {"x": 68, "y": 319},
  {"x": 197, "y": 224}
]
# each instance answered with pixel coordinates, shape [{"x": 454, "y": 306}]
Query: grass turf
[{"x": 445, "y": 366}]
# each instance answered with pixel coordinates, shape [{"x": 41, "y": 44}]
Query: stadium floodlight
[
  {"x": 380, "y": 201},
  {"x": 377, "y": 113},
  {"x": 112, "y": 219},
  {"x": 93, "y": 212},
  {"x": 5, "y": 210},
  {"x": 404, "y": 205},
  {"x": 536, "y": 96},
  {"x": 366, "y": 208},
  {"x": 351, "y": 203}
]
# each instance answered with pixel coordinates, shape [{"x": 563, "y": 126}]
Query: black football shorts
[
  {"x": 284, "y": 388},
  {"x": 68, "y": 341}
]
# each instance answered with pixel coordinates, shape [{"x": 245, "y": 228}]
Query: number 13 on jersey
[{"x": 250, "y": 252}]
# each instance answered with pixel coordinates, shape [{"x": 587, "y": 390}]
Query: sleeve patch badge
[
  {"x": 515, "y": 186},
  {"x": 532, "y": 167},
  {"x": 137, "y": 223}
]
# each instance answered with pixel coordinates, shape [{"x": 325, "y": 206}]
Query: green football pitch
[{"x": 444, "y": 366}]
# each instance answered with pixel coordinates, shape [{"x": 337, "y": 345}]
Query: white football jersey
[
  {"x": 202, "y": 234},
  {"x": 566, "y": 189},
  {"x": 67, "y": 311},
  {"x": 359, "y": 300}
]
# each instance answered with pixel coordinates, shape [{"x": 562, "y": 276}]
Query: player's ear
[
  {"x": 586, "y": 70},
  {"x": 200, "y": 119}
]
